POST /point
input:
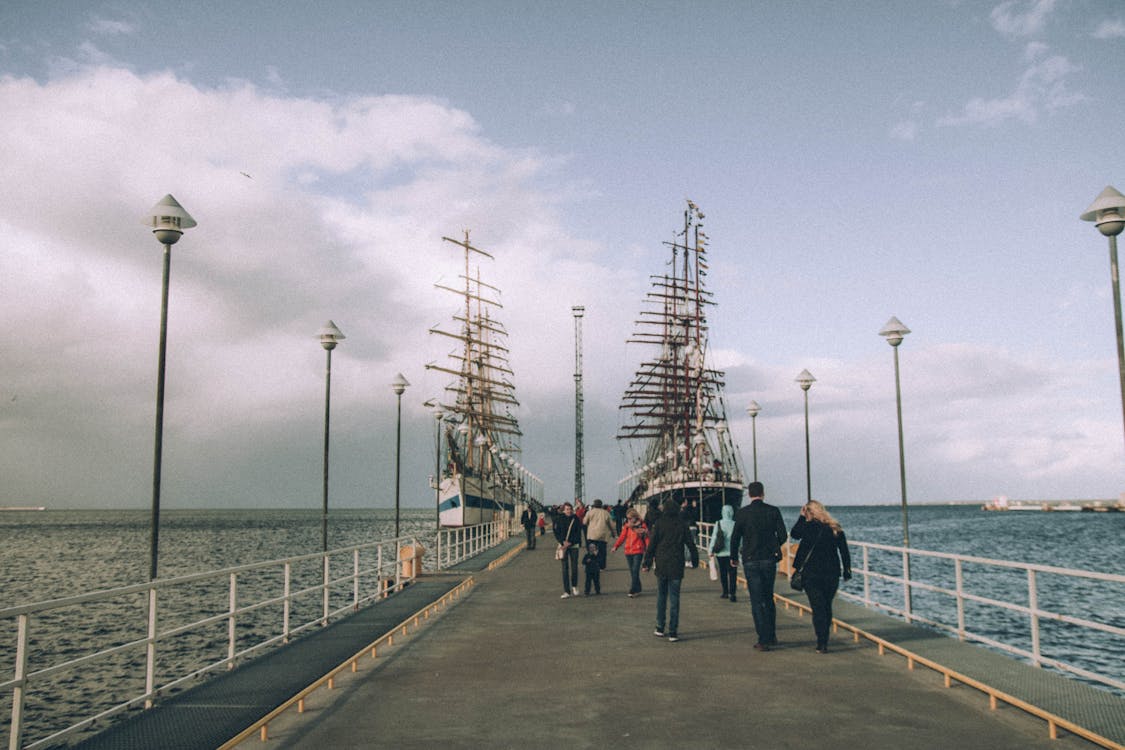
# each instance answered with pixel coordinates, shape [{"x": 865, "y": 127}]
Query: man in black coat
[
  {"x": 759, "y": 532},
  {"x": 528, "y": 521},
  {"x": 668, "y": 537}
]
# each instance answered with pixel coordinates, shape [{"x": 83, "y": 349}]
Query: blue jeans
[
  {"x": 668, "y": 598},
  {"x": 634, "y": 572},
  {"x": 760, "y": 575}
]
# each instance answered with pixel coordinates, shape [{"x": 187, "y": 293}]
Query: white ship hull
[{"x": 464, "y": 502}]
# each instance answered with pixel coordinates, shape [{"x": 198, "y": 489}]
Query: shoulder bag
[
  {"x": 797, "y": 580},
  {"x": 560, "y": 551}
]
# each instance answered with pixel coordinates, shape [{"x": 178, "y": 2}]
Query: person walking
[
  {"x": 599, "y": 529},
  {"x": 667, "y": 540},
  {"x": 568, "y": 532},
  {"x": 759, "y": 533},
  {"x": 634, "y": 535},
  {"x": 593, "y": 569},
  {"x": 821, "y": 557},
  {"x": 528, "y": 520},
  {"x": 720, "y": 549}
]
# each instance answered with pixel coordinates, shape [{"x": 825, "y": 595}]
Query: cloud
[
  {"x": 1111, "y": 28},
  {"x": 343, "y": 219},
  {"x": 1042, "y": 87},
  {"x": 906, "y": 130},
  {"x": 111, "y": 27},
  {"x": 1021, "y": 17}
]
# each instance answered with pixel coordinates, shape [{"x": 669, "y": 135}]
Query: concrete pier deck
[{"x": 514, "y": 666}]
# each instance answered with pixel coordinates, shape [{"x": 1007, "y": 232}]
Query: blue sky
[{"x": 855, "y": 161}]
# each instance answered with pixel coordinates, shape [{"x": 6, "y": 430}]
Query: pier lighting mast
[
  {"x": 1108, "y": 214},
  {"x": 579, "y": 459},
  {"x": 168, "y": 220}
]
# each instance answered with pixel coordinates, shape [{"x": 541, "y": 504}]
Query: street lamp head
[
  {"x": 330, "y": 335},
  {"x": 894, "y": 331},
  {"x": 753, "y": 409},
  {"x": 578, "y": 311},
  {"x": 1107, "y": 212},
  {"x": 698, "y": 439},
  {"x": 168, "y": 220},
  {"x": 398, "y": 385},
  {"x": 805, "y": 379}
]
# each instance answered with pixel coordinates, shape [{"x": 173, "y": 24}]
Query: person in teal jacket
[{"x": 720, "y": 550}]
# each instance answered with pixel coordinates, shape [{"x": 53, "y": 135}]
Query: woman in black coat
[
  {"x": 568, "y": 532},
  {"x": 822, "y": 556}
]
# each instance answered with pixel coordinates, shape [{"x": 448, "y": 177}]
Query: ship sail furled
[
  {"x": 481, "y": 478},
  {"x": 673, "y": 413}
]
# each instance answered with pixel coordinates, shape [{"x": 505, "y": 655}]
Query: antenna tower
[{"x": 579, "y": 459}]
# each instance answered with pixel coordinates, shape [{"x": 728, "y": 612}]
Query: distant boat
[
  {"x": 674, "y": 408},
  {"x": 480, "y": 478},
  {"x": 22, "y": 507}
]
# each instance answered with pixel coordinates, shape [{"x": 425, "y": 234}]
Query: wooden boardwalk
[{"x": 512, "y": 665}]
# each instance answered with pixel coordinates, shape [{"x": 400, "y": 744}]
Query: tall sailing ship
[
  {"x": 673, "y": 413},
  {"x": 479, "y": 475}
]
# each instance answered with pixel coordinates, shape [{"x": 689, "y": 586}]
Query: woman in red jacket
[{"x": 634, "y": 535}]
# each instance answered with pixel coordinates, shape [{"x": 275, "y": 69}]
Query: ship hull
[
  {"x": 465, "y": 502},
  {"x": 711, "y": 496}
]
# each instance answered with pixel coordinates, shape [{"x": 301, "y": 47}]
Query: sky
[{"x": 855, "y": 160}]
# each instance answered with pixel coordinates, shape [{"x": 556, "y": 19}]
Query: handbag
[
  {"x": 713, "y": 568},
  {"x": 720, "y": 539},
  {"x": 560, "y": 551},
  {"x": 797, "y": 579}
]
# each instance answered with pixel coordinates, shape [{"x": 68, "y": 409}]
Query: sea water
[{"x": 59, "y": 553}]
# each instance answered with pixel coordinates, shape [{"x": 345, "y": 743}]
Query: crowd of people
[{"x": 665, "y": 540}]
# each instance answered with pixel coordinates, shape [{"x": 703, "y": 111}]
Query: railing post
[
  {"x": 286, "y": 608},
  {"x": 907, "y": 610},
  {"x": 437, "y": 551},
  {"x": 150, "y": 648},
  {"x": 379, "y": 569},
  {"x": 324, "y": 620},
  {"x": 960, "y": 598},
  {"x": 398, "y": 564},
  {"x": 355, "y": 580},
  {"x": 15, "y": 735},
  {"x": 231, "y": 637},
  {"x": 1033, "y": 605},
  {"x": 866, "y": 577}
]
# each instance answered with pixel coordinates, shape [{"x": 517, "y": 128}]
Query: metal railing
[
  {"x": 135, "y": 643},
  {"x": 1041, "y": 613},
  {"x": 457, "y": 544},
  {"x": 1014, "y": 607}
]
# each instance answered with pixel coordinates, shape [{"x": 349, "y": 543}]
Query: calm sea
[{"x": 53, "y": 554}]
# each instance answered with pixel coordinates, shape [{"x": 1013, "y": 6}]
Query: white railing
[
  {"x": 457, "y": 544},
  {"x": 1002, "y": 604},
  {"x": 134, "y": 643},
  {"x": 996, "y": 602}
]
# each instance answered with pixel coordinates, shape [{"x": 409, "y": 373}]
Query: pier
[{"x": 488, "y": 655}]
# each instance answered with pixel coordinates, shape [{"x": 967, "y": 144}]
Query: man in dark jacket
[
  {"x": 667, "y": 540},
  {"x": 528, "y": 520},
  {"x": 759, "y": 533}
]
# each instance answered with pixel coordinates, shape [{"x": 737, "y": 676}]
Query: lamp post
[
  {"x": 398, "y": 385},
  {"x": 753, "y": 409},
  {"x": 894, "y": 331},
  {"x": 329, "y": 335},
  {"x": 806, "y": 380},
  {"x": 168, "y": 220},
  {"x": 1108, "y": 214},
  {"x": 438, "y": 415}
]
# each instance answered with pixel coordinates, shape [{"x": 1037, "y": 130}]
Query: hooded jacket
[{"x": 726, "y": 523}]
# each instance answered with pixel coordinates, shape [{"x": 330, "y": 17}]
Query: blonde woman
[{"x": 821, "y": 557}]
